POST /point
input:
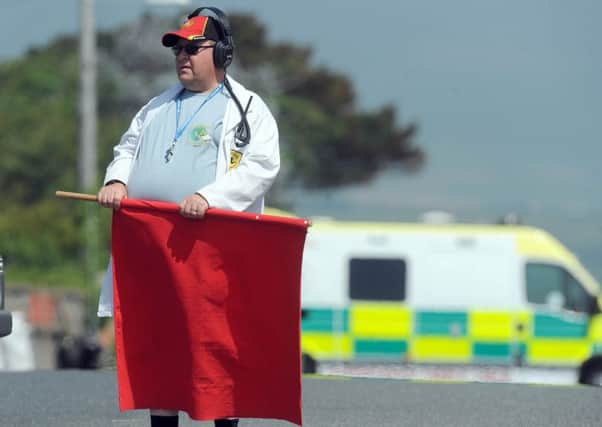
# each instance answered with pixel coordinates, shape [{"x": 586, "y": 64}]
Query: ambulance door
[
  {"x": 560, "y": 317},
  {"x": 379, "y": 319}
]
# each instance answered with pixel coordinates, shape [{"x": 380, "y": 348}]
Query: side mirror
[{"x": 595, "y": 306}]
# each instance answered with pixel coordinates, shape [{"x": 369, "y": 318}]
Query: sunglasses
[{"x": 190, "y": 48}]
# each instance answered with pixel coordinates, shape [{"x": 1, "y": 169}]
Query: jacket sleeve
[{"x": 242, "y": 186}]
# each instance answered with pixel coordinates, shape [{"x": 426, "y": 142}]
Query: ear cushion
[{"x": 222, "y": 54}]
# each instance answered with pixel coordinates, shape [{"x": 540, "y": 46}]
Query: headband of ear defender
[{"x": 224, "y": 48}]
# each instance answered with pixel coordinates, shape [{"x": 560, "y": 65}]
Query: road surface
[{"x": 85, "y": 398}]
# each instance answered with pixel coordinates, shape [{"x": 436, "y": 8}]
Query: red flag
[{"x": 207, "y": 312}]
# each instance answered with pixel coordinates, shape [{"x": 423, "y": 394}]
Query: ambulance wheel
[
  {"x": 309, "y": 364},
  {"x": 591, "y": 372},
  {"x": 594, "y": 377}
]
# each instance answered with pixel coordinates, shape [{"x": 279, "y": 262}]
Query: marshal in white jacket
[{"x": 243, "y": 174}]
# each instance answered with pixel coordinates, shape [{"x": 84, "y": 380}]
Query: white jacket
[
  {"x": 242, "y": 188},
  {"x": 240, "y": 185}
]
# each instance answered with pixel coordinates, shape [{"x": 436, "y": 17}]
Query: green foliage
[
  {"x": 326, "y": 141},
  {"x": 40, "y": 236}
]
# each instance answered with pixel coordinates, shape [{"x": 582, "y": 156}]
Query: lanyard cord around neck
[{"x": 180, "y": 130}]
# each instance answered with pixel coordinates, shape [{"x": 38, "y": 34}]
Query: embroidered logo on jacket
[{"x": 199, "y": 136}]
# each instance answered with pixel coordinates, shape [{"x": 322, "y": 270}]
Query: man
[{"x": 195, "y": 144}]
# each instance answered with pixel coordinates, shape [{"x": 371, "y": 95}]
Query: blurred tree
[{"x": 325, "y": 140}]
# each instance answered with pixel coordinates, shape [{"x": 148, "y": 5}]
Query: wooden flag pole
[{"x": 77, "y": 196}]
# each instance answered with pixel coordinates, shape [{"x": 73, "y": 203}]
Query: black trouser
[{"x": 172, "y": 421}]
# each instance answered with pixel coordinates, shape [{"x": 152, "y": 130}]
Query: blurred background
[{"x": 392, "y": 111}]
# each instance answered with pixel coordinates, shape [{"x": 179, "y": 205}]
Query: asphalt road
[{"x": 83, "y": 398}]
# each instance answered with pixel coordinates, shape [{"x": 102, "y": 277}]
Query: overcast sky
[{"x": 507, "y": 96}]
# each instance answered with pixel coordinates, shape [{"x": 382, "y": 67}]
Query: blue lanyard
[{"x": 180, "y": 130}]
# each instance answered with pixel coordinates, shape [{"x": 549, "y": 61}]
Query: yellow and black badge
[{"x": 235, "y": 158}]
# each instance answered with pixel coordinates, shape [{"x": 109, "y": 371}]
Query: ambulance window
[
  {"x": 543, "y": 280},
  {"x": 377, "y": 279},
  {"x": 546, "y": 282},
  {"x": 578, "y": 299}
]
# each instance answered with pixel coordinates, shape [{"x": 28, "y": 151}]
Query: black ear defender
[{"x": 223, "y": 53}]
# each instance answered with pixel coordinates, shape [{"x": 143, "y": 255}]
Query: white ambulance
[{"x": 448, "y": 301}]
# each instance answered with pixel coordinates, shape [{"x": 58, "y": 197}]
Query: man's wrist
[
  {"x": 202, "y": 197},
  {"x": 114, "y": 181}
]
